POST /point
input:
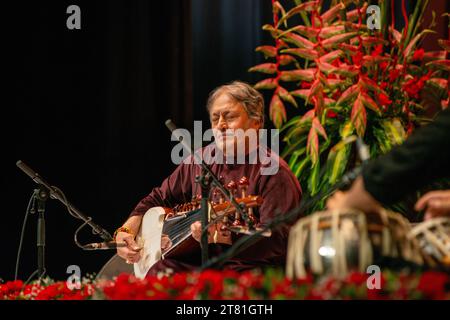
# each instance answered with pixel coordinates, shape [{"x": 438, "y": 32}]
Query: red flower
[
  {"x": 418, "y": 55},
  {"x": 356, "y": 278},
  {"x": 377, "y": 51},
  {"x": 305, "y": 85},
  {"x": 384, "y": 99},
  {"x": 393, "y": 74},
  {"x": 432, "y": 284},
  {"x": 383, "y": 65},
  {"x": 357, "y": 58},
  {"x": 331, "y": 114}
]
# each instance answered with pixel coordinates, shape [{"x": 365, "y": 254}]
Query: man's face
[{"x": 226, "y": 117}]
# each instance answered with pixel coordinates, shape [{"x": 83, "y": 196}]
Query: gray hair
[{"x": 242, "y": 93}]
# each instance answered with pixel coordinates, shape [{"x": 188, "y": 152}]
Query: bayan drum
[
  {"x": 433, "y": 237},
  {"x": 339, "y": 241}
]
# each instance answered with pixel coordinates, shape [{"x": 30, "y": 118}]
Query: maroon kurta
[{"x": 280, "y": 191}]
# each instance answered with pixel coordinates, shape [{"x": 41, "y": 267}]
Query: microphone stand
[
  {"x": 206, "y": 180},
  {"x": 55, "y": 193},
  {"x": 41, "y": 195}
]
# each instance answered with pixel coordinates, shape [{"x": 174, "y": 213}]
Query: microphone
[{"x": 104, "y": 245}]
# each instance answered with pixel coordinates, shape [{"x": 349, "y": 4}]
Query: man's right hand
[{"x": 131, "y": 253}]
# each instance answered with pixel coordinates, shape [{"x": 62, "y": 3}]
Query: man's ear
[{"x": 257, "y": 123}]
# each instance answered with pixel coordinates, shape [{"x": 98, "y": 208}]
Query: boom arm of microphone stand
[
  {"x": 55, "y": 194},
  {"x": 245, "y": 242}
]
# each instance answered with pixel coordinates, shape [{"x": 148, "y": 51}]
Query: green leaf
[
  {"x": 290, "y": 123},
  {"x": 269, "y": 68},
  {"x": 294, "y": 146},
  {"x": 270, "y": 83},
  {"x": 298, "y": 168},
  {"x": 313, "y": 181},
  {"x": 337, "y": 161},
  {"x": 346, "y": 130},
  {"x": 293, "y": 159},
  {"x": 394, "y": 131}
]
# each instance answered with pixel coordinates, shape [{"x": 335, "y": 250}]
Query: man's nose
[{"x": 222, "y": 124}]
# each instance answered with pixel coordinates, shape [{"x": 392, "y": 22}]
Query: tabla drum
[
  {"x": 433, "y": 237},
  {"x": 339, "y": 241},
  {"x": 115, "y": 266}
]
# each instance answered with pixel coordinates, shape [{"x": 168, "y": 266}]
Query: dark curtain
[
  {"x": 86, "y": 109},
  {"x": 224, "y": 37}
]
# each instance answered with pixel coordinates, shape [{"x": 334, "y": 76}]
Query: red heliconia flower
[{"x": 418, "y": 55}]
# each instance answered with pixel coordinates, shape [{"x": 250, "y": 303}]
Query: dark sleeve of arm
[
  {"x": 174, "y": 190},
  {"x": 421, "y": 159}
]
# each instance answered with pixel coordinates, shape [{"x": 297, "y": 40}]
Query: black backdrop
[{"x": 86, "y": 108}]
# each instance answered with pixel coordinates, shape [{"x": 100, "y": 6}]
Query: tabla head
[
  {"x": 433, "y": 237},
  {"x": 339, "y": 241}
]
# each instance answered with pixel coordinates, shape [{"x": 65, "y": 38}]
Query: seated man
[{"x": 231, "y": 107}]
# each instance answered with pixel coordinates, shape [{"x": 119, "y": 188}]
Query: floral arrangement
[
  {"x": 354, "y": 81},
  {"x": 232, "y": 285}
]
